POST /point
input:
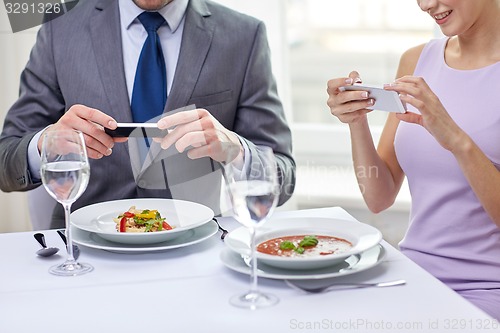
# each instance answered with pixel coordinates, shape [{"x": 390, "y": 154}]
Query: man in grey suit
[{"x": 80, "y": 75}]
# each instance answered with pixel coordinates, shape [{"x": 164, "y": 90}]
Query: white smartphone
[
  {"x": 385, "y": 100},
  {"x": 150, "y": 130}
]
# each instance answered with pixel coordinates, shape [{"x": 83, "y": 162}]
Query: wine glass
[
  {"x": 253, "y": 192},
  {"x": 65, "y": 174}
]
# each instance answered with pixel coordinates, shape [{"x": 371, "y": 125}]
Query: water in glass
[
  {"x": 254, "y": 194},
  {"x": 65, "y": 174}
]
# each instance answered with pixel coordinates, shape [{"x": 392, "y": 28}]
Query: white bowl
[
  {"x": 362, "y": 237},
  {"x": 182, "y": 215}
]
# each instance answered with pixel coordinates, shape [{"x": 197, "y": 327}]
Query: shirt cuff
[
  {"x": 34, "y": 158},
  {"x": 246, "y": 159}
]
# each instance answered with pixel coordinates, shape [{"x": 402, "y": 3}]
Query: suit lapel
[
  {"x": 107, "y": 46},
  {"x": 196, "y": 41}
]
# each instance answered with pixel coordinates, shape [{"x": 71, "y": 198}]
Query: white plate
[
  {"x": 362, "y": 236},
  {"x": 190, "y": 237},
  {"x": 182, "y": 215},
  {"x": 350, "y": 265}
]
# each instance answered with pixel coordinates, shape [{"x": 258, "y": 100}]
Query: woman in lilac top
[{"x": 448, "y": 146}]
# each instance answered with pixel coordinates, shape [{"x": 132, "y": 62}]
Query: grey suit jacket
[{"x": 223, "y": 66}]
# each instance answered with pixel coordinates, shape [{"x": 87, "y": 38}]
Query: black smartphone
[{"x": 140, "y": 130}]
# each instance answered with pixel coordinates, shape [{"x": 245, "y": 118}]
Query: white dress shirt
[{"x": 134, "y": 35}]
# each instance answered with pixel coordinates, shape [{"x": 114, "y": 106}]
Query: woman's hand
[
  {"x": 348, "y": 106},
  {"x": 433, "y": 116}
]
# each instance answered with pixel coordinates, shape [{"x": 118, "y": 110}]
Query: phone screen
[{"x": 136, "y": 130}]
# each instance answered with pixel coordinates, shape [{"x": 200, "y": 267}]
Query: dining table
[{"x": 187, "y": 289}]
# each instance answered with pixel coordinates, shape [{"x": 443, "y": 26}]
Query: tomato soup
[{"x": 326, "y": 245}]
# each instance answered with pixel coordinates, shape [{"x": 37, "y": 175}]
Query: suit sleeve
[
  {"x": 260, "y": 118},
  {"x": 40, "y": 104}
]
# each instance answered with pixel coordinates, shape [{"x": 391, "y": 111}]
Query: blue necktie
[{"x": 150, "y": 85}]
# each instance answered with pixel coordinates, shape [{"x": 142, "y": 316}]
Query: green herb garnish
[
  {"x": 287, "y": 245},
  {"x": 299, "y": 250},
  {"x": 149, "y": 226},
  {"x": 308, "y": 241}
]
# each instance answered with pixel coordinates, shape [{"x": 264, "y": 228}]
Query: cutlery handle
[
  {"x": 366, "y": 285},
  {"x": 41, "y": 239},
  {"x": 391, "y": 283},
  {"x": 63, "y": 236},
  {"x": 224, "y": 231},
  {"x": 76, "y": 250}
]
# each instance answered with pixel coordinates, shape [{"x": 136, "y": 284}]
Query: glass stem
[
  {"x": 253, "y": 256},
  {"x": 67, "y": 212}
]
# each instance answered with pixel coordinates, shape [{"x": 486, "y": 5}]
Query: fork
[
  {"x": 341, "y": 286},
  {"x": 224, "y": 231}
]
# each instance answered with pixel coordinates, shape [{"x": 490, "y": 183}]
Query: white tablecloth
[{"x": 187, "y": 290}]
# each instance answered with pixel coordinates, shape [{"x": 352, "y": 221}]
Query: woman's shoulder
[
  {"x": 410, "y": 57},
  {"x": 409, "y": 60}
]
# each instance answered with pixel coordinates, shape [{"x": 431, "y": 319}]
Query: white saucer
[
  {"x": 353, "y": 264},
  {"x": 193, "y": 236}
]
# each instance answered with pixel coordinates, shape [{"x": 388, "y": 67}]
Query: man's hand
[
  {"x": 200, "y": 130},
  {"x": 91, "y": 123}
]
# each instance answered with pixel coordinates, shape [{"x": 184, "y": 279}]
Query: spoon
[
  {"x": 340, "y": 286},
  {"x": 44, "y": 251},
  {"x": 76, "y": 249}
]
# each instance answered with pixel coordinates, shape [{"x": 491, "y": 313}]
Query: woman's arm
[
  {"x": 390, "y": 176},
  {"x": 377, "y": 170},
  {"x": 482, "y": 175}
]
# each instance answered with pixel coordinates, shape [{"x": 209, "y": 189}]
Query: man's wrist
[{"x": 34, "y": 159}]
